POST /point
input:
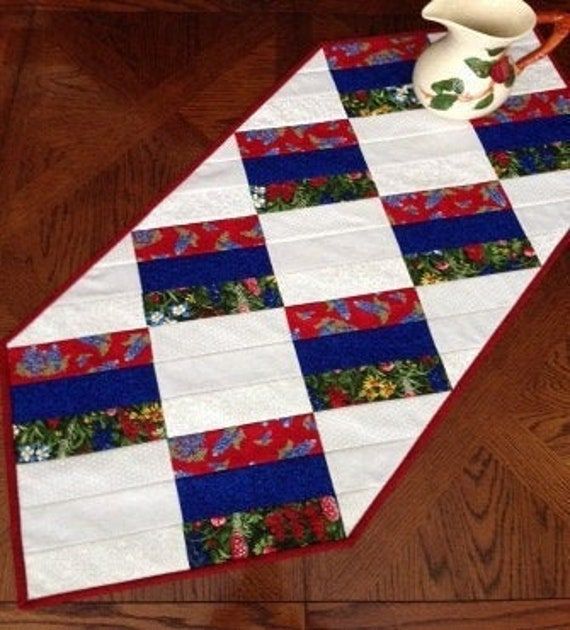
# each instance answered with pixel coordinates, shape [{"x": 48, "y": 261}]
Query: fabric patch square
[
  {"x": 373, "y": 75},
  {"x": 366, "y": 348},
  {"x": 333, "y": 251},
  {"x": 459, "y": 232},
  {"x": 304, "y": 166},
  {"x": 84, "y": 395},
  {"x": 205, "y": 269},
  {"x": 252, "y": 489},
  {"x": 431, "y": 155},
  {"x": 224, "y": 372}
]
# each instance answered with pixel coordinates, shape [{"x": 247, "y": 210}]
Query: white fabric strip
[
  {"x": 93, "y": 474},
  {"x": 296, "y": 110},
  {"x": 533, "y": 190},
  {"x": 230, "y": 407},
  {"x": 226, "y": 370},
  {"x": 183, "y": 207},
  {"x": 460, "y": 169},
  {"x": 304, "y": 84},
  {"x": 447, "y": 144},
  {"x": 101, "y": 517},
  {"x": 465, "y": 330},
  {"x": 219, "y": 334},
  {"x": 306, "y": 254},
  {"x": 405, "y": 124},
  {"x": 541, "y": 203},
  {"x": 104, "y": 281},
  {"x": 456, "y": 363},
  {"x": 369, "y": 466},
  {"x": 329, "y": 219},
  {"x": 353, "y": 505},
  {"x": 105, "y": 562},
  {"x": 343, "y": 280},
  {"x": 474, "y": 294},
  {"x": 122, "y": 253},
  {"x": 80, "y": 319},
  {"x": 217, "y": 189},
  {"x": 213, "y": 173},
  {"x": 544, "y": 218},
  {"x": 374, "y": 423}
]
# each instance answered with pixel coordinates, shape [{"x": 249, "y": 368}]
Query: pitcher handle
[{"x": 561, "y": 22}]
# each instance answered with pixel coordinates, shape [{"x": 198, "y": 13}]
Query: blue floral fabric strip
[
  {"x": 526, "y": 133},
  {"x": 353, "y": 349},
  {"x": 204, "y": 269},
  {"x": 377, "y": 76},
  {"x": 264, "y": 485},
  {"x": 281, "y": 168},
  {"x": 457, "y": 231},
  {"x": 81, "y": 394}
]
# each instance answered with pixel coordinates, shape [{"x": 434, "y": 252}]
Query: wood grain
[
  {"x": 144, "y": 616},
  {"x": 102, "y": 106},
  {"x": 440, "y": 616}
]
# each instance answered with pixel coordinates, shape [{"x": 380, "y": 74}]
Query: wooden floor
[{"x": 99, "y": 112}]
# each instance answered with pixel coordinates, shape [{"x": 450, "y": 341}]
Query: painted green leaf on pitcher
[
  {"x": 443, "y": 101},
  {"x": 493, "y": 52},
  {"x": 480, "y": 67},
  {"x": 485, "y": 102},
  {"x": 448, "y": 85}
]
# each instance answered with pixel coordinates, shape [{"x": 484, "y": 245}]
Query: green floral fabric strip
[
  {"x": 471, "y": 260},
  {"x": 223, "y": 298},
  {"x": 370, "y": 383},
  {"x": 529, "y": 160},
  {"x": 262, "y": 530},
  {"x": 87, "y": 433},
  {"x": 313, "y": 191},
  {"x": 379, "y": 101}
]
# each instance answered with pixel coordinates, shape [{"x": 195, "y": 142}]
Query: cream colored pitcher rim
[{"x": 470, "y": 15}]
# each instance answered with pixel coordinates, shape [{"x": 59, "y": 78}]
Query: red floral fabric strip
[
  {"x": 74, "y": 357},
  {"x": 360, "y": 312},
  {"x": 286, "y": 140},
  {"x": 261, "y": 531},
  {"x": 528, "y": 106},
  {"x": 88, "y": 432},
  {"x": 372, "y": 51},
  {"x": 240, "y": 446},
  {"x": 445, "y": 203},
  {"x": 198, "y": 238}
]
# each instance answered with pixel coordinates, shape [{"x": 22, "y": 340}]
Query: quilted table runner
[{"x": 243, "y": 373}]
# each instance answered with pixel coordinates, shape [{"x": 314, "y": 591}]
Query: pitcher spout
[
  {"x": 437, "y": 11},
  {"x": 498, "y": 21}
]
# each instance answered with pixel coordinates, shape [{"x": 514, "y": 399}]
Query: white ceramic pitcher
[{"x": 468, "y": 73}]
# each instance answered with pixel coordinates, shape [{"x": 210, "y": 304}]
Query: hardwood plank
[
  {"x": 13, "y": 48},
  {"x": 551, "y": 614},
  {"x": 363, "y": 7},
  {"x": 255, "y": 616}
]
